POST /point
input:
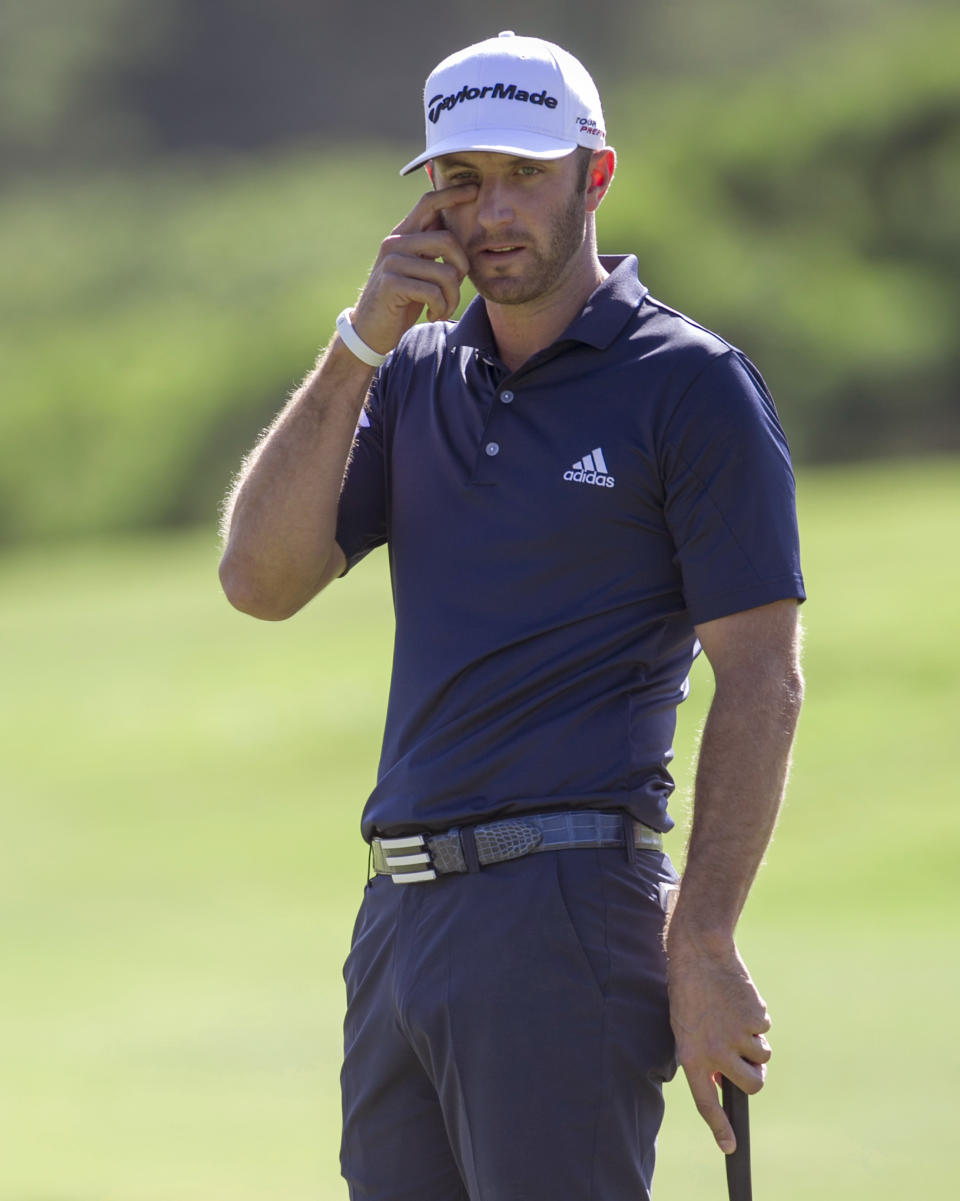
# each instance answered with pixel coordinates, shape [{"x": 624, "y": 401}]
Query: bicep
[
  {"x": 335, "y": 566},
  {"x": 754, "y": 640}
]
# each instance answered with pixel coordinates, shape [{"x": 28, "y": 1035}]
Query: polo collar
[
  {"x": 473, "y": 329},
  {"x": 597, "y": 324},
  {"x": 610, "y": 307}
]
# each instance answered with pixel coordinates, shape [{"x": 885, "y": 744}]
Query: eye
[{"x": 529, "y": 169}]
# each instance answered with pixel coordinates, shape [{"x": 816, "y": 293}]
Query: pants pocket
[{"x": 582, "y": 908}]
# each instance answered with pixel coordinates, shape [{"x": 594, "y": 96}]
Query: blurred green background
[{"x": 189, "y": 191}]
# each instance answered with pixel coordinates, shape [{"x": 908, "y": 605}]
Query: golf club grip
[{"x": 735, "y": 1106}]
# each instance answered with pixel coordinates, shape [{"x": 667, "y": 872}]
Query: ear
[{"x": 602, "y": 167}]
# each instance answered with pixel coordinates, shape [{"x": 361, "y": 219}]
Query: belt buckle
[{"x": 405, "y": 857}]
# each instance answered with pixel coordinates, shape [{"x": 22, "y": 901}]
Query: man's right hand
[{"x": 420, "y": 264}]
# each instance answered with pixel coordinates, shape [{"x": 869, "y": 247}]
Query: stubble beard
[{"x": 547, "y": 267}]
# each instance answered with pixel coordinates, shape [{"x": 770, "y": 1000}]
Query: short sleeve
[
  {"x": 729, "y": 493},
  {"x": 362, "y": 515}
]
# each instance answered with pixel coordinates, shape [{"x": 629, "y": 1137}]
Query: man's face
[{"x": 524, "y": 233}]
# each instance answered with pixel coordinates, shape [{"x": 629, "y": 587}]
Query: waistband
[{"x": 417, "y": 858}]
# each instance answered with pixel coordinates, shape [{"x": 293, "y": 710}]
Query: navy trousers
[{"x": 507, "y": 1032}]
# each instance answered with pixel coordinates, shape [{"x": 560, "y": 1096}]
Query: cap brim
[{"x": 495, "y": 141}]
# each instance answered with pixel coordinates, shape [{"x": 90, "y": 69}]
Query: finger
[
  {"x": 745, "y": 1074},
  {"x": 408, "y": 291},
  {"x": 398, "y": 269},
  {"x": 754, "y": 1048},
  {"x": 432, "y": 244},
  {"x": 425, "y": 212},
  {"x": 760, "y": 1050},
  {"x": 703, "y": 1088}
]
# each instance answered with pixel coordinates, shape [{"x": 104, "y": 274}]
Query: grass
[{"x": 182, "y": 789}]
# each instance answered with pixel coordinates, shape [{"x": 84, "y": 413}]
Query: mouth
[{"x": 499, "y": 254}]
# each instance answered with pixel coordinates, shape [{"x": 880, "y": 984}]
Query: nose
[{"x": 493, "y": 204}]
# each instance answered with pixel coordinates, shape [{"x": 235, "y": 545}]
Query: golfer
[{"x": 579, "y": 489}]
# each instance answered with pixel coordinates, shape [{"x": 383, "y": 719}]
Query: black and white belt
[{"x": 416, "y": 858}]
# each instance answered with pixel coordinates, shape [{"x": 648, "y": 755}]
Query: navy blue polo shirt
[{"x": 554, "y": 535}]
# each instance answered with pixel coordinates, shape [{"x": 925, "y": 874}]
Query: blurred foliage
[
  {"x": 150, "y": 324},
  {"x": 112, "y": 81},
  {"x": 154, "y": 313},
  {"x": 809, "y": 214}
]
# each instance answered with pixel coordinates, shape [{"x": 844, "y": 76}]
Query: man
[{"x": 577, "y": 485}]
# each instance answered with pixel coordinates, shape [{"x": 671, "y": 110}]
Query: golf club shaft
[{"x": 735, "y": 1106}]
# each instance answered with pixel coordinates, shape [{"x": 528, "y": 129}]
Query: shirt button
[
  {"x": 506, "y": 397},
  {"x": 492, "y": 448}
]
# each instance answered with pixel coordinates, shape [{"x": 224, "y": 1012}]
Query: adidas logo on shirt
[{"x": 591, "y": 469}]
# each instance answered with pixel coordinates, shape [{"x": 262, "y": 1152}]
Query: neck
[{"x": 521, "y": 330}]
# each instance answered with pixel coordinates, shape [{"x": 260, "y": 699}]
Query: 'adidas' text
[{"x": 591, "y": 469}]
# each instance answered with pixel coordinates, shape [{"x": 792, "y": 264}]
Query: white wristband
[{"x": 354, "y": 343}]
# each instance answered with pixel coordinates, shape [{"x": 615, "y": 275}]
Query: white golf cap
[{"x": 510, "y": 95}]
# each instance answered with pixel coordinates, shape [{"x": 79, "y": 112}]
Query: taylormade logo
[
  {"x": 493, "y": 91},
  {"x": 591, "y": 469}
]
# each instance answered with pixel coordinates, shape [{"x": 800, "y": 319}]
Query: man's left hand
[{"x": 719, "y": 1021}]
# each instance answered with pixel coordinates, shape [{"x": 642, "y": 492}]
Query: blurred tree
[
  {"x": 57, "y": 58},
  {"x": 243, "y": 74},
  {"x": 154, "y": 307},
  {"x": 808, "y": 212},
  {"x": 107, "y": 81}
]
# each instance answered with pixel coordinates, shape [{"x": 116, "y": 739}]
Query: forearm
[
  {"x": 281, "y": 517},
  {"x": 719, "y": 1019},
  {"x": 741, "y": 775}
]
